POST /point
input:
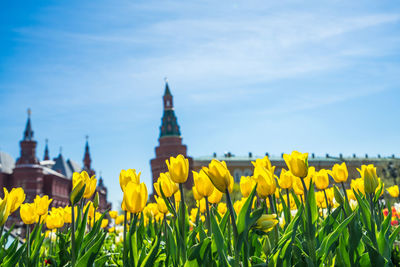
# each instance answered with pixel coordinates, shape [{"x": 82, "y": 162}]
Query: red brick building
[
  {"x": 46, "y": 177},
  {"x": 170, "y": 140}
]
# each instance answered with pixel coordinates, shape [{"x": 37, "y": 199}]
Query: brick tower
[
  {"x": 28, "y": 173},
  {"x": 170, "y": 140}
]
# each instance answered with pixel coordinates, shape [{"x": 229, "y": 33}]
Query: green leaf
[
  {"x": 327, "y": 243},
  {"x": 77, "y": 193},
  {"x": 219, "y": 241},
  {"x": 88, "y": 258}
]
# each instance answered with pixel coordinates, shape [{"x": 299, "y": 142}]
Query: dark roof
[
  {"x": 62, "y": 167},
  {"x": 28, "y": 133}
]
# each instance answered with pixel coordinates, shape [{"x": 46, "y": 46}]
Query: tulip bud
[
  {"x": 338, "y": 196},
  {"x": 178, "y": 168},
  {"x": 96, "y": 200},
  {"x": 297, "y": 163},
  {"x": 371, "y": 182}
]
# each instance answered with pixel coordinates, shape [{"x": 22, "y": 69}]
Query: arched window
[
  {"x": 237, "y": 173},
  {"x": 247, "y": 172}
]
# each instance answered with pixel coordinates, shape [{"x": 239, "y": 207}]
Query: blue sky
[{"x": 259, "y": 76}]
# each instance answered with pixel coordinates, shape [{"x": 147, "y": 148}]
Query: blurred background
[{"x": 247, "y": 78}]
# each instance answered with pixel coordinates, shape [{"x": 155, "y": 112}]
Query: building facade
[{"x": 46, "y": 177}]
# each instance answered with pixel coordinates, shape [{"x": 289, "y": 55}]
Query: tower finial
[
  {"x": 46, "y": 150},
  {"x": 29, "y": 111},
  {"x": 60, "y": 150}
]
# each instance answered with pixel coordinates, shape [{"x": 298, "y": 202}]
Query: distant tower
[
  {"x": 170, "y": 140},
  {"x": 28, "y": 174},
  {"x": 46, "y": 151},
  {"x": 87, "y": 161},
  {"x": 28, "y": 145}
]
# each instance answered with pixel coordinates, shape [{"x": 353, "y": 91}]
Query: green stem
[
  {"x": 271, "y": 203},
  {"x": 72, "y": 234},
  {"x": 208, "y": 217},
  {"x": 345, "y": 192},
  {"x": 124, "y": 241},
  {"x": 304, "y": 188},
  {"x": 327, "y": 203},
  {"x": 235, "y": 231},
  {"x": 28, "y": 248},
  {"x": 288, "y": 205},
  {"x": 183, "y": 221}
]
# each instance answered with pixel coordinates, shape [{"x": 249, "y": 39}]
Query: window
[{"x": 237, "y": 173}]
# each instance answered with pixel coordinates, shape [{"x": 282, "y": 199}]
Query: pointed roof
[
  {"x": 169, "y": 123},
  {"x": 28, "y": 133},
  {"x": 46, "y": 151},
  {"x": 61, "y": 166},
  {"x": 167, "y": 91},
  {"x": 101, "y": 182}
]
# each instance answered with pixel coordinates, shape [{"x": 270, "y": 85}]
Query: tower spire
[
  {"x": 28, "y": 133},
  {"x": 46, "y": 151},
  {"x": 87, "y": 161},
  {"x": 28, "y": 145},
  {"x": 169, "y": 123}
]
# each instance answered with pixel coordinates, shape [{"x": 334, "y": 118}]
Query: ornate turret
[
  {"x": 169, "y": 123},
  {"x": 87, "y": 161},
  {"x": 46, "y": 151},
  {"x": 170, "y": 140},
  {"x": 28, "y": 145}
]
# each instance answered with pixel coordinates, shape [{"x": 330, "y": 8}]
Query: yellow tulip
[
  {"x": 28, "y": 213},
  {"x": 321, "y": 179},
  {"x": 222, "y": 209},
  {"x": 358, "y": 185},
  {"x": 111, "y": 229},
  {"x": 5, "y": 207},
  {"x": 120, "y": 219},
  {"x": 297, "y": 163},
  {"x": 320, "y": 199},
  {"x": 266, "y": 222},
  {"x": 178, "y": 168},
  {"x": 135, "y": 197},
  {"x": 201, "y": 204},
  {"x": 285, "y": 179},
  {"x": 237, "y": 206},
  {"x": 219, "y": 175},
  {"x": 298, "y": 186},
  {"x": 42, "y": 204},
  {"x": 68, "y": 214},
  {"x": 167, "y": 185},
  {"x": 339, "y": 173},
  {"x": 54, "y": 220},
  {"x": 162, "y": 207},
  {"x": 90, "y": 183},
  {"x": 264, "y": 162},
  {"x": 17, "y": 197},
  {"x": 104, "y": 223},
  {"x": 150, "y": 210},
  {"x": 202, "y": 183},
  {"x": 196, "y": 195},
  {"x": 393, "y": 191},
  {"x": 215, "y": 197},
  {"x": 89, "y": 205},
  {"x": 126, "y": 176},
  {"x": 113, "y": 214},
  {"x": 266, "y": 184},
  {"x": 247, "y": 184},
  {"x": 371, "y": 182}
]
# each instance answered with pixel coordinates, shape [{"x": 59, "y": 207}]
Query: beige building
[{"x": 241, "y": 165}]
